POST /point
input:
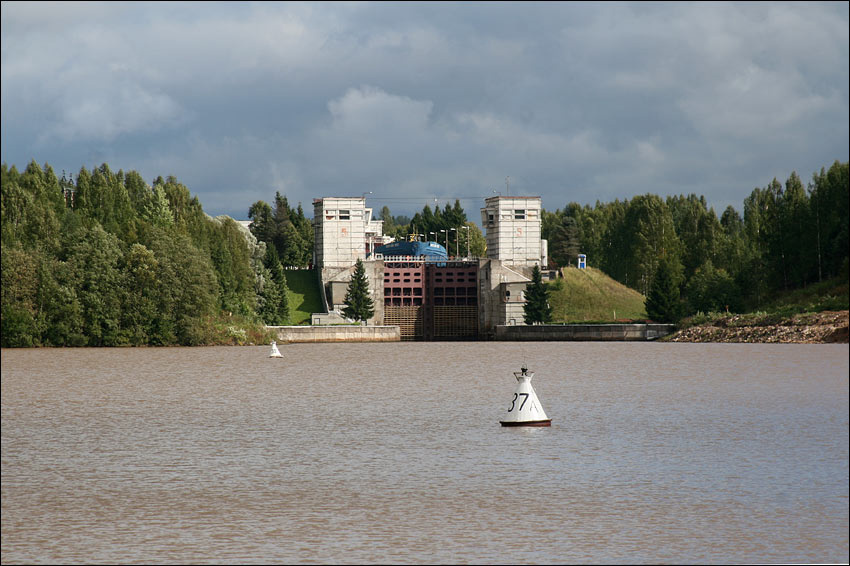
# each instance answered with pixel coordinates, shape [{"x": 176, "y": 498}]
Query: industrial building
[{"x": 428, "y": 298}]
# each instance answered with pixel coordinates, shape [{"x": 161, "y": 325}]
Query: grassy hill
[
  {"x": 588, "y": 295},
  {"x": 304, "y": 295}
]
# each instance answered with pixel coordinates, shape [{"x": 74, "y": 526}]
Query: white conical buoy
[
  {"x": 525, "y": 409},
  {"x": 275, "y": 352}
]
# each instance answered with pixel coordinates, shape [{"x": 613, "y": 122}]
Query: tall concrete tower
[
  {"x": 512, "y": 226},
  {"x": 339, "y": 225}
]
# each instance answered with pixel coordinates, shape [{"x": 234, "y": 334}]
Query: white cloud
[
  {"x": 370, "y": 111},
  {"x": 112, "y": 111},
  {"x": 573, "y": 101}
]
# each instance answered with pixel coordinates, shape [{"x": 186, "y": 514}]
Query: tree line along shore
[{"x": 102, "y": 258}]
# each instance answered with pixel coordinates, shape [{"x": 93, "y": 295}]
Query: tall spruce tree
[
  {"x": 537, "y": 309},
  {"x": 275, "y": 303},
  {"x": 662, "y": 301},
  {"x": 358, "y": 303}
]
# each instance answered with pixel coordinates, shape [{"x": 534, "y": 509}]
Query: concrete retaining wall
[
  {"x": 583, "y": 332},
  {"x": 337, "y": 333}
]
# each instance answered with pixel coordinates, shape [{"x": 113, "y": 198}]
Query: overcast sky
[{"x": 573, "y": 102}]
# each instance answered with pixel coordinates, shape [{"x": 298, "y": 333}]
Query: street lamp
[
  {"x": 435, "y": 235},
  {"x": 457, "y": 241},
  {"x": 447, "y": 239},
  {"x": 467, "y": 241}
]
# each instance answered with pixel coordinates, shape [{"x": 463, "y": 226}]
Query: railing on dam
[{"x": 450, "y": 261}]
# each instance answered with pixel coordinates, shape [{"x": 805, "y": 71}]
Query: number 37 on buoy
[{"x": 525, "y": 409}]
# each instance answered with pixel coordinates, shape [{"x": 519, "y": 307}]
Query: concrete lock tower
[
  {"x": 344, "y": 232},
  {"x": 339, "y": 226},
  {"x": 512, "y": 226}
]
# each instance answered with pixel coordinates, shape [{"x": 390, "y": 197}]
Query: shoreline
[{"x": 828, "y": 327}]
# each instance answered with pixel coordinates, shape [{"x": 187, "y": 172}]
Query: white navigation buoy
[
  {"x": 525, "y": 409},
  {"x": 275, "y": 352}
]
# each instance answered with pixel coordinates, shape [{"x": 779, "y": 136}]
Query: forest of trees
[
  {"x": 285, "y": 229},
  {"x": 788, "y": 237},
  {"x": 108, "y": 260},
  {"x": 105, "y": 259}
]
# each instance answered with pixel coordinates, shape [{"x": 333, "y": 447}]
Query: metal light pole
[
  {"x": 447, "y": 239},
  {"x": 457, "y": 241},
  {"x": 467, "y": 241},
  {"x": 435, "y": 235}
]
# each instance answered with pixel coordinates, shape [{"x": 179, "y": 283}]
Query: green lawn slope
[
  {"x": 304, "y": 295},
  {"x": 588, "y": 295}
]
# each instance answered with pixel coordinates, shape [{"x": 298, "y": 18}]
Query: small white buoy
[
  {"x": 275, "y": 352},
  {"x": 525, "y": 409}
]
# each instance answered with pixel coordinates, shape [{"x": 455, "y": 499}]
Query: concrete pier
[
  {"x": 337, "y": 333},
  {"x": 583, "y": 332}
]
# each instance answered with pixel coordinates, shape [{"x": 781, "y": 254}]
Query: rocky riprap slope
[{"x": 827, "y": 327}]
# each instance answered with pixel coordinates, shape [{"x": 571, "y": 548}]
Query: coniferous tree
[
  {"x": 358, "y": 303},
  {"x": 565, "y": 245},
  {"x": 662, "y": 301},
  {"x": 537, "y": 309},
  {"x": 262, "y": 223},
  {"x": 275, "y": 304}
]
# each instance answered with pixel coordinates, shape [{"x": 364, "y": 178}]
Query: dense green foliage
[
  {"x": 829, "y": 295},
  {"x": 104, "y": 259},
  {"x": 662, "y": 302},
  {"x": 107, "y": 260},
  {"x": 274, "y": 297},
  {"x": 789, "y": 237},
  {"x": 285, "y": 229},
  {"x": 536, "y": 308},
  {"x": 358, "y": 302}
]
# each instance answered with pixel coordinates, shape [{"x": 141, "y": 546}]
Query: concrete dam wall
[
  {"x": 583, "y": 332},
  {"x": 337, "y": 333}
]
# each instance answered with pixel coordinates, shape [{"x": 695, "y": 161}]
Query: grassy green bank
[
  {"x": 589, "y": 295},
  {"x": 304, "y": 295}
]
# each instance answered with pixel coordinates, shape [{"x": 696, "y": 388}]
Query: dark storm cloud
[{"x": 415, "y": 102}]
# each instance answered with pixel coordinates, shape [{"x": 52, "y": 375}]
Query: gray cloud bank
[{"x": 422, "y": 101}]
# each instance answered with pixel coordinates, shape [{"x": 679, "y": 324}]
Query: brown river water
[{"x": 393, "y": 453}]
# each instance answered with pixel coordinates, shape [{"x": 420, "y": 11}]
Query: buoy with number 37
[{"x": 525, "y": 409}]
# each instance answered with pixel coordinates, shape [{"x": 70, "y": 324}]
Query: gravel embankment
[{"x": 828, "y": 327}]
